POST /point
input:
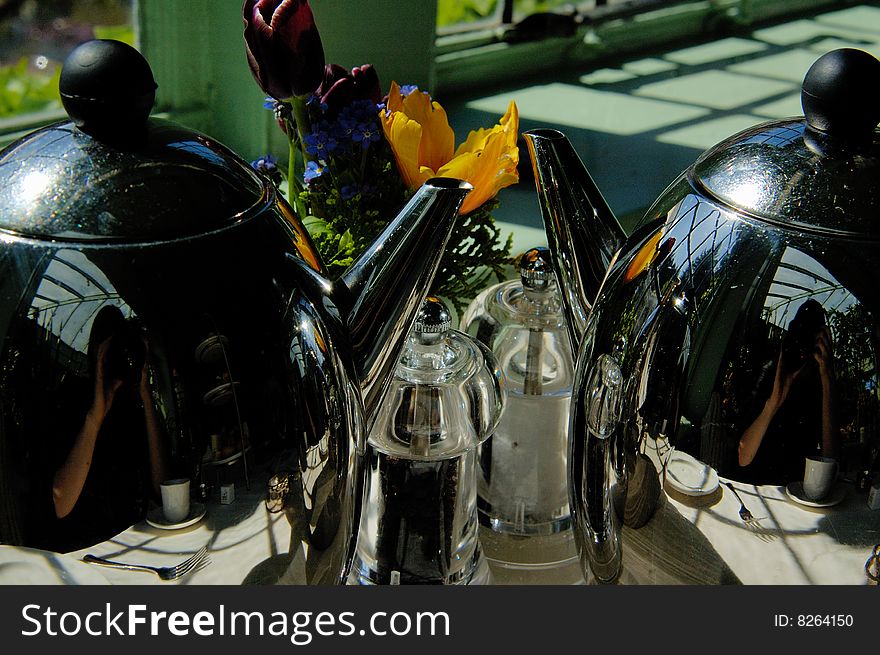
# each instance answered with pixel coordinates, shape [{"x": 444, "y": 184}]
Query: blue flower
[
  {"x": 280, "y": 110},
  {"x": 266, "y": 164},
  {"x": 359, "y": 111},
  {"x": 314, "y": 102},
  {"x": 348, "y": 192},
  {"x": 344, "y": 129},
  {"x": 365, "y": 134},
  {"x": 323, "y": 126},
  {"x": 406, "y": 89},
  {"x": 313, "y": 170},
  {"x": 319, "y": 143}
]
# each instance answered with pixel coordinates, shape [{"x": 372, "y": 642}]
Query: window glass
[
  {"x": 522, "y": 8},
  {"x": 454, "y": 14},
  {"x": 35, "y": 37},
  {"x": 460, "y": 15}
]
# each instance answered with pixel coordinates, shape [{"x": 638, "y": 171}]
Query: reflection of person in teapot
[
  {"x": 797, "y": 418},
  {"x": 113, "y": 459}
]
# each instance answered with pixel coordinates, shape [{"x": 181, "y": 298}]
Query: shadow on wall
[{"x": 639, "y": 122}]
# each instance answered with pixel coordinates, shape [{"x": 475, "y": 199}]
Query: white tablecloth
[
  {"x": 691, "y": 541},
  {"x": 700, "y": 541},
  {"x": 246, "y": 544}
]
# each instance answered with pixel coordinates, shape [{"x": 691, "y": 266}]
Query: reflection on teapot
[
  {"x": 738, "y": 322},
  {"x": 791, "y": 406},
  {"x": 111, "y": 404},
  {"x": 245, "y": 338}
]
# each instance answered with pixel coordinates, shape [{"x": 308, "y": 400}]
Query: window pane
[
  {"x": 456, "y": 13},
  {"x": 522, "y": 8},
  {"x": 460, "y": 15},
  {"x": 36, "y": 35}
]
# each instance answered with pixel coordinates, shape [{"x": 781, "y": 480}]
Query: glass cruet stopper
[{"x": 536, "y": 272}]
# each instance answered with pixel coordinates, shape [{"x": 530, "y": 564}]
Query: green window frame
[
  {"x": 197, "y": 53},
  {"x": 226, "y": 103},
  {"x": 466, "y": 59}
]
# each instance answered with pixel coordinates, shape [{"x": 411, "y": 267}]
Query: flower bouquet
[{"x": 357, "y": 156}]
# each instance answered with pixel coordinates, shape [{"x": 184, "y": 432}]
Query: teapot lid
[
  {"x": 816, "y": 174},
  {"x": 111, "y": 174}
]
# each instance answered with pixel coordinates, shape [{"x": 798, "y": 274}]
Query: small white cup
[
  {"x": 819, "y": 476},
  {"x": 175, "y": 499}
]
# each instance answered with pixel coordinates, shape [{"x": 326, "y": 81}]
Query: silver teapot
[
  {"x": 738, "y": 322},
  {"x": 163, "y": 311}
]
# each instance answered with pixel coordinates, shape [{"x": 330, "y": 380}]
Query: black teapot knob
[
  {"x": 107, "y": 89},
  {"x": 841, "y": 94}
]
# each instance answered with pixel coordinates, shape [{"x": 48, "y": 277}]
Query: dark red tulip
[
  {"x": 283, "y": 46},
  {"x": 340, "y": 87}
]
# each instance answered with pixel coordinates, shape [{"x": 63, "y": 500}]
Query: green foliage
[
  {"x": 526, "y": 7},
  {"x": 348, "y": 188},
  {"x": 853, "y": 336},
  {"x": 473, "y": 257},
  {"x": 342, "y": 228},
  {"x": 454, "y": 12},
  {"x": 124, "y": 33},
  {"x": 23, "y": 91},
  {"x": 854, "y": 356}
]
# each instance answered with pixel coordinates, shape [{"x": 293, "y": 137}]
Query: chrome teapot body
[
  {"x": 746, "y": 294},
  {"x": 156, "y": 271}
]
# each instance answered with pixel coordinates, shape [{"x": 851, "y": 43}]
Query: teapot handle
[{"x": 596, "y": 428}]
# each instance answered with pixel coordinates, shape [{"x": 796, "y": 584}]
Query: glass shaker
[
  {"x": 419, "y": 522},
  {"x": 523, "y": 476}
]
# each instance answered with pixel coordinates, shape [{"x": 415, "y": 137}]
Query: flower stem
[
  {"x": 363, "y": 167},
  {"x": 303, "y": 124},
  {"x": 296, "y": 131},
  {"x": 294, "y": 184}
]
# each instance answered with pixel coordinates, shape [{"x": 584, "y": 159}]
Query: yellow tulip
[{"x": 424, "y": 146}]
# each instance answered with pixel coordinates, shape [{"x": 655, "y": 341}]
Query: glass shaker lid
[
  {"x": 446, "y": 396},
  {"x": 535, "y": 300}
]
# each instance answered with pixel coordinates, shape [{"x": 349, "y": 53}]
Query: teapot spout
[
  {"x": 583, "y": 234},
  {"x": 386, "y": 286}
]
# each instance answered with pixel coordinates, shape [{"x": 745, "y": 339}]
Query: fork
[
  {"x": 744, "y": 512},
  {"x": 748, "y": 518},
  {"x": 198, "y": 560}
]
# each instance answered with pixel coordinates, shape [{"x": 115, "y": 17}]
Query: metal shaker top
[
  {"x": 536, "y": 269},
  {"x": 432, "y": 322}
]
